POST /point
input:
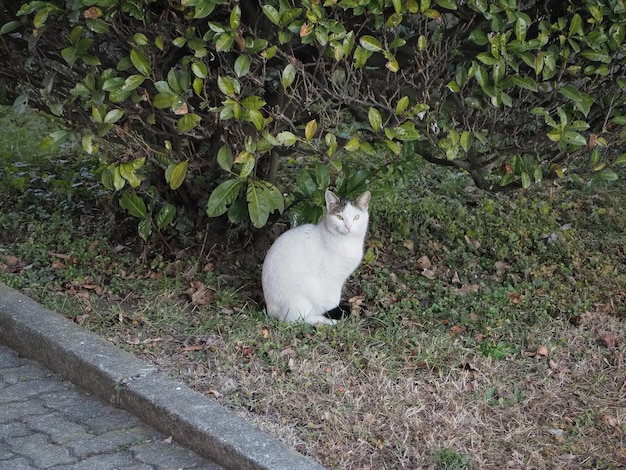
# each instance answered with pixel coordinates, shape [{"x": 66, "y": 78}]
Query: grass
[{"x": 491, "y": 333}]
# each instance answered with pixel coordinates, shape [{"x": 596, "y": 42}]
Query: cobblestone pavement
[{"x": 48, "y": 423}]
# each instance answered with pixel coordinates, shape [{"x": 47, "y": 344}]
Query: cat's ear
[
  {"x": 331, "y": 199},
  {"x": 363, "y": 200}
]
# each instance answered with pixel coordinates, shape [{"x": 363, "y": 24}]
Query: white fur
[{"x": 307, "y": 266}]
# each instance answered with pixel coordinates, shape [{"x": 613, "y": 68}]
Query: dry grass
[{"x": 347, "y": 397}]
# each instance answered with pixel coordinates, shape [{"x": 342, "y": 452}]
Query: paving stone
[
  {"x": 48, "y": 423},
  {"x": 155, "y": 453},
  {"x": 18, "y": 463},
  {"x": 117, "y": 460},
  {"x": 38, "y": 448},
  {"x": 15, "y": 410},
  {"x": 60, "y": 429},
  {"x": 13, "y": 429},
  {"x": 22, "y": 391},
  {"x": 108, "y": 442}
]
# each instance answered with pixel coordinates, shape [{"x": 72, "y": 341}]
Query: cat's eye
[
  {"x": 339, "y": 217},
  {"x": 356, "y": 216}
]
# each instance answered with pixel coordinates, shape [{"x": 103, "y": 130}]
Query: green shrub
[{"x": 231, "y": 105}]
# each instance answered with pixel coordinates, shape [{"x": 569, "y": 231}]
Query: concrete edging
[{"x": 118, "y": 377}]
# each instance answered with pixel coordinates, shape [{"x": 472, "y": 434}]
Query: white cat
[{"x": 307, "y": 266}]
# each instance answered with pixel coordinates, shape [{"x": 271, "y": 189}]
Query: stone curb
[{"x": 118, "y": 377}]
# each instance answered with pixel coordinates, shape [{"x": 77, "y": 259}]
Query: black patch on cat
[
  {"x": 343, "y": 310},
  {"x": 338, "y": 207}
]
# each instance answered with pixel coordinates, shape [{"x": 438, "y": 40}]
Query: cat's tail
[{"x": 343, "y": 310}]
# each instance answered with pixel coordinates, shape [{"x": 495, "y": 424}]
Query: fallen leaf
[
  {"x": 475, "y": 243},
  {"x": 467, "y": 288},
  {"x": 501, "y": 267},
  {"x": 93, "y": 12},
  {"x": 168, "y": 440},
  {"x": 611, "y": 421},
  {"x": 192, "y": 348},
  {"x": 199, "y": 294},
  {"x": 429, "y": 273},
  {"x": 409, "y": 244},
  {"x": 456, "y": 330},
  {"x": 423, "y": 263},
  {"x": 542, "y": 350},
  {"x": 515, "y": 297},
  {"x": 608, "y": 340},
  {"x": 57, "y": 264},
  {"x": 287, "y": 352},
  {"x": 11, "y": 260},
  {"x": 576, "y": 320}
]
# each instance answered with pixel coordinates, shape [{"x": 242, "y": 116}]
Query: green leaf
[
  {"x": 106, "y": 178},
  {"x": 140, "y": 39},
  {"x": 175, "y": 174},
  {"x": 132, "y": 82},
  {"x": 225, "y": 158},
  {"x": 188, "y": 122},
  {"x": 453, "y": 86},
  {"x": 223, "y": 196},
  {"x": 286, "y": 138},
  {"x": 352, "y": 145},
  {"x": 256, "y": 118},
  {"x": 253, "y": 102},
  {"x": 140, "y": 62},
  {"x": 370, "y": 43},
  {"x": 576, "y": 25},
  {"x": 274, "y": 197},
  {"x": 360, "y": 56},
  {"x": 570, "y": 92},
  {"x": 228, "y": 85},
  {"x": 235, "y": 17},
  {"x": 621, "y": 160},
  {"x": 466, "y": 140},
  {"x": 305, "y": 183},
  {"x": 258, "y": 204},
  {"x": 242, "y": 65},
  {"x": 606, "y": 175},
  {"x": 199, "y": 69},
  {"x": 487, "y": 58},
  {"x": 526, "y": 83},
  {"x": 448, "y": 4},
  {"x": 403, "y": 104},
  {"x": 165, "y": 216},
  {"x": 310, "y": 129},
  {"x": 145, "y": 229},
  {"x": 288, "y": 75},
  {"x": 272, "y": 14},
  {"x": 481, "y": 76},
  {"x": 247, "y": 161},
  {"x": 113, "y": 116},
  {"x": 375, "y": 119},
  {"x": 133, "y": 204},
  {"x": 224, "y": 42},
  {"x": 10, "y": 27},
  {"x": 526, "y": 181},
  {"x": 203, "y": 8},
  {"x": 164, "y": 100}
]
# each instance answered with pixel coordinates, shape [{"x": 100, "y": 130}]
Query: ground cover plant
[{"x": 488, "y": 330}]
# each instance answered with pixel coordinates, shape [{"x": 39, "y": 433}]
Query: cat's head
[{"x": 344, "y": 216}]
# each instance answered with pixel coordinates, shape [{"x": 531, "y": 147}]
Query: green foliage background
[{"x": 243, "y": 109}]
